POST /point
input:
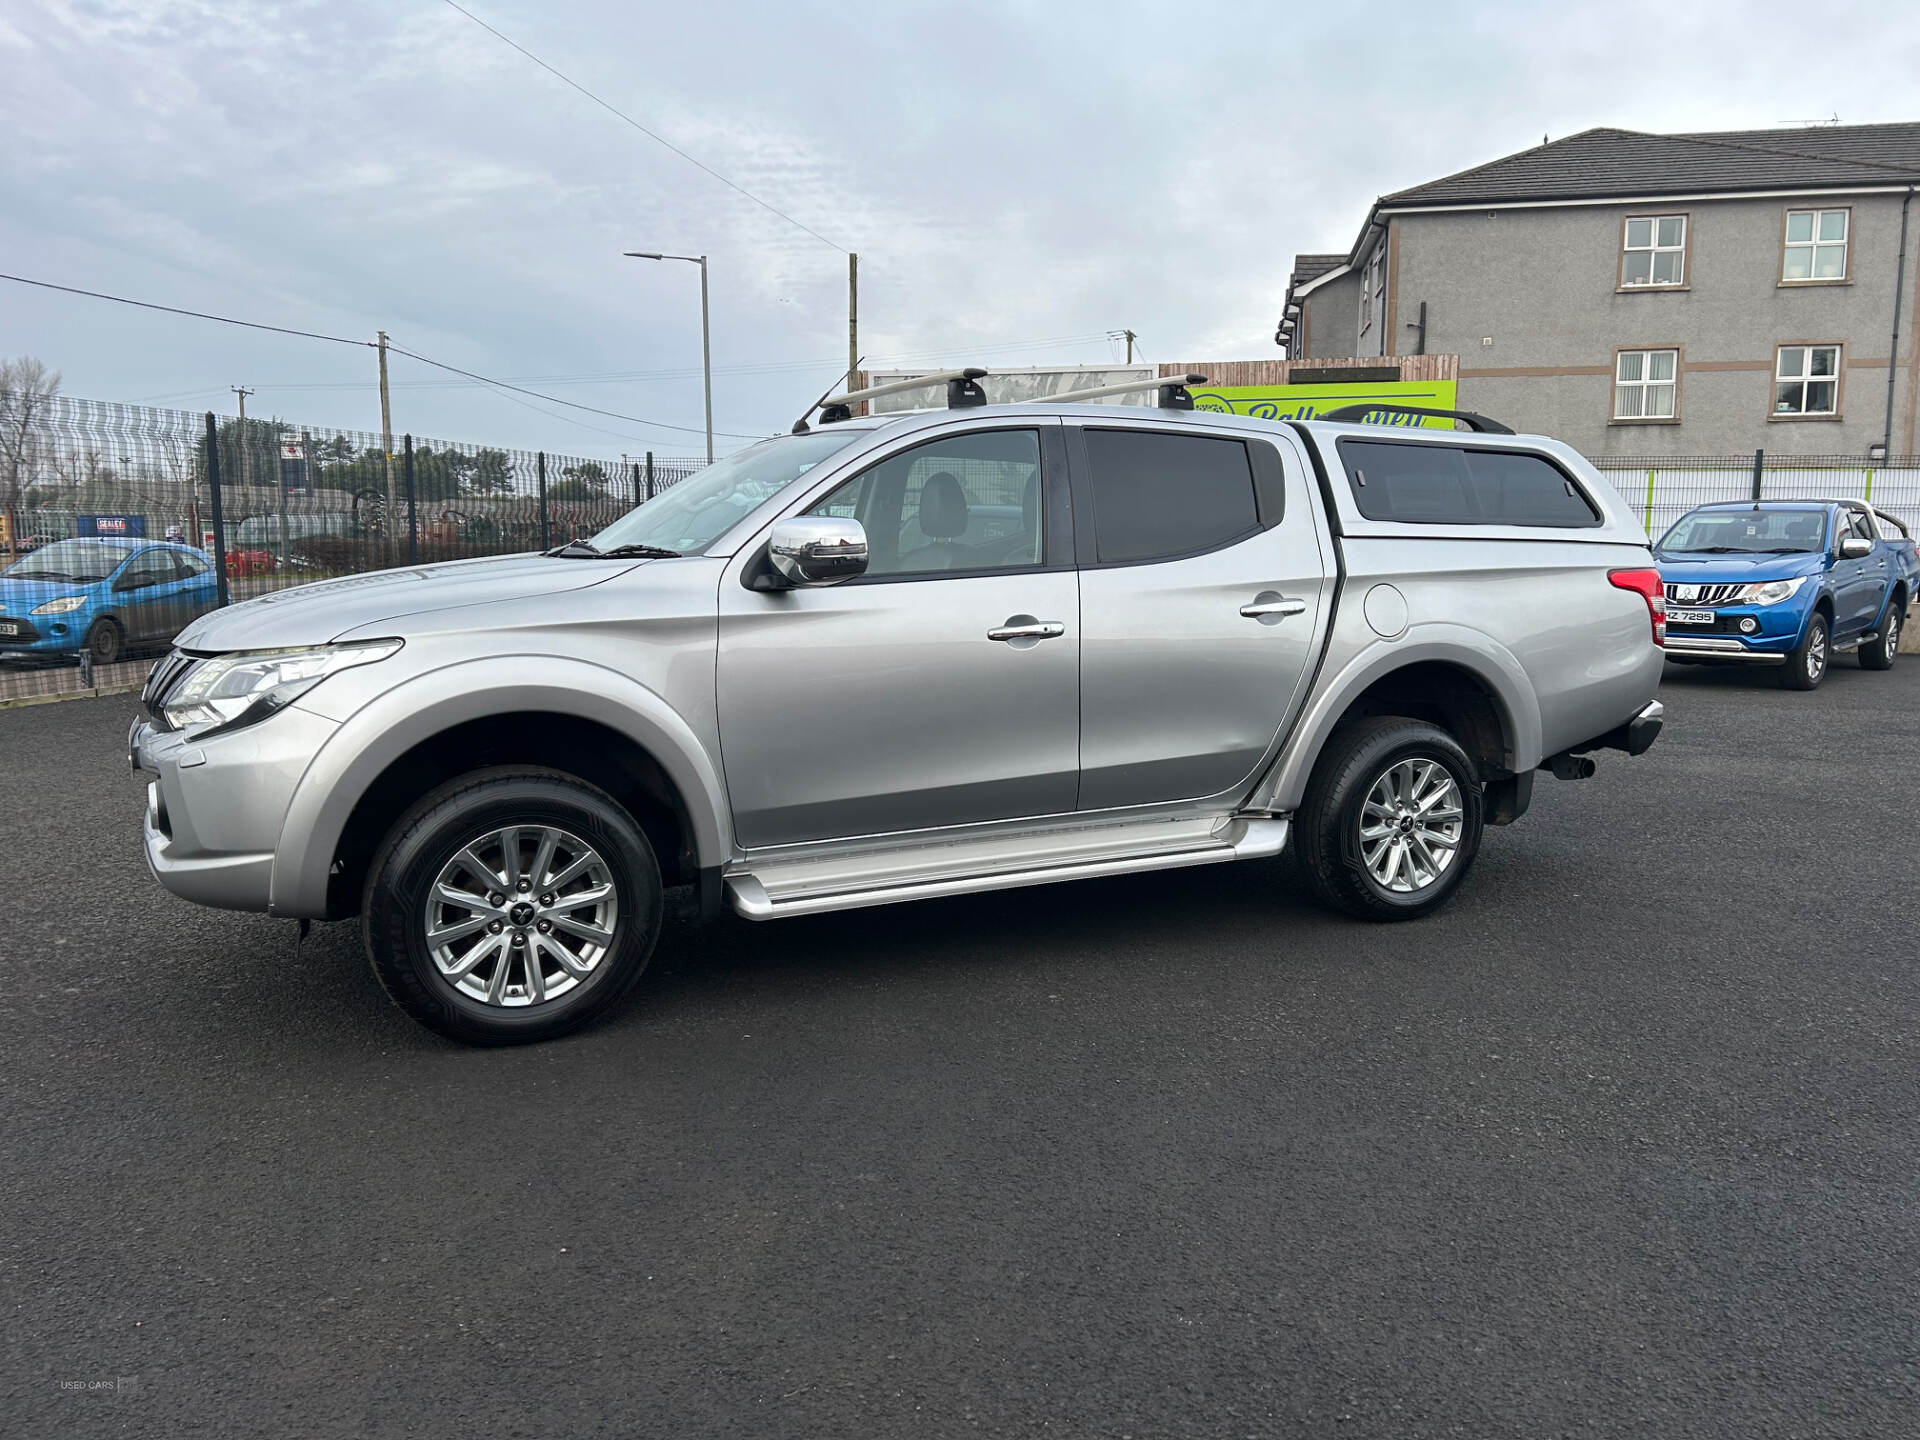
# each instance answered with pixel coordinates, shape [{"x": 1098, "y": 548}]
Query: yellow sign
[{"x": 1304, "y": 402}]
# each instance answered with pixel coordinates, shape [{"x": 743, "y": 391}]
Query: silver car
[{"x": 907, "y": 656}]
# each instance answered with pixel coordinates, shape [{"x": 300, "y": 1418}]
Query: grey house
[{"x": 1638, "y": 294}]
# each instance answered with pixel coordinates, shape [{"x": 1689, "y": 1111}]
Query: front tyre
[
  {"x": 1878, "y": 654},
  {"x": 1391, "y": 821},
  {"x": 1806, "y": 664},
  {"x": 511, "y": 905},
  {"x": 105, "y": 640}
]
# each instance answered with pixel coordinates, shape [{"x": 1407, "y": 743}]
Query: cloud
[{"x": 1008, "y": 172}]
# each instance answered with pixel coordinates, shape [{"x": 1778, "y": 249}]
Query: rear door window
[
  {"x": 1454, "y": 485},
  {"x": 1157, "y": 495}
]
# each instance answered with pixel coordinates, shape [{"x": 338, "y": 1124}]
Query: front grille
[
  {"x": 168, "y": 671},
  {"x": 1705, "y": 594}
]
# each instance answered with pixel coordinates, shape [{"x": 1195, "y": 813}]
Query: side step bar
[{"x": 850, "y": 881}]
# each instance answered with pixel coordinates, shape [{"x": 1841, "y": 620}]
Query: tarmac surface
[{"x": 1624, "y": 1142}]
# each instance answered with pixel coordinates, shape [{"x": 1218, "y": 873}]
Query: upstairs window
[
  {"x": 1816, "y": 245},
  {"x": 1655, "y": 252},
  {"x": 1370, "y": 287},
  {"x": 1806, "y": 380},
  {"x": 1645, "y": 384}
]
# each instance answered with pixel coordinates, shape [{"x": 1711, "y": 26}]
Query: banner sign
[
  {"x": 1304, "y": 402},
  {"x": 128, "y": 526}
]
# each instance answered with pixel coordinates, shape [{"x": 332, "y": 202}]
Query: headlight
[
  {"x": 1771, "y": 592},
  {"x": 232, "y": 690},
  {"x": 62, "y": 606}
]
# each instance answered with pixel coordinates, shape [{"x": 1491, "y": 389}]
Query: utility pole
[
  {"x": 853, "y": 325},
  {"x": 246, "y": 467},
  {"x": 1130, "y": 338},
  {"x": 706, "y": 356},
  {"x": 386, "y": 446}
]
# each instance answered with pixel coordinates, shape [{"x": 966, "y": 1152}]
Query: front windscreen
[
  {"x": 698, "y": 511},
  {"x": 73, "y": 561},
  {"x": 1748, "y": 532}
]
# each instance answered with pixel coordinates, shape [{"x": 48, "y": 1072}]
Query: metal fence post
[
  {"x": 633, "y": 474},
  {"x": 1759, "y": 459},
  {"x": 649, "y": 474},
  {"x": 540, "y": 469},
  {"x": 219, "y": 522},
  {"x": 1650, "y": 502},
  {"x": 413, "y": 514}
]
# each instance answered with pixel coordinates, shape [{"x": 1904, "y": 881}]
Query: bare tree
[{"x": 26, "y": 395}]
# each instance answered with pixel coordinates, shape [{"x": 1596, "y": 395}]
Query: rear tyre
[
  {"x": 1878, "y": 654},
  {"x": 1391, "y": 821},
  {"x": 105, "y": 641},
  {"x": 511, "y": 905},
  {"x": 1806, "y": 666}
]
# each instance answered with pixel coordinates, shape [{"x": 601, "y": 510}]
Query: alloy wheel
[
  {"x": 1817, "y": 653},
  {"x": 522, "y": 915},
  {"x": 1410, "y": 825}
]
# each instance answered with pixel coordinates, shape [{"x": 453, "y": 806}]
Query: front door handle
[
  {"x": 1277, "y": 608},
  {"x": 1025, "y": 627}
]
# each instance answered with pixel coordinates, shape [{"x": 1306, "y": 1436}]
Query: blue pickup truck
[{"x": 1787, "y": 583}]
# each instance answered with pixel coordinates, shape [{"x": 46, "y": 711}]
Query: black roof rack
[{"x": 1361, "y": 414}]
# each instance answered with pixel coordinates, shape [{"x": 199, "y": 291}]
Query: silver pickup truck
[{"x": 891, "y": 657}]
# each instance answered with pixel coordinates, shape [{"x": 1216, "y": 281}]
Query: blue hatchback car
[{"x": 101, "y": 595}]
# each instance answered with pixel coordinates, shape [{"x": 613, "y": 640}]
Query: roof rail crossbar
[
  {"x": 1358, "y": 415},
  {"x": 963, "y": 392},
  {"x": 1174, "y": 394}
]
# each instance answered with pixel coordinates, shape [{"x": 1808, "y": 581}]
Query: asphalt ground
[{"x": 1622, "y": 1143}]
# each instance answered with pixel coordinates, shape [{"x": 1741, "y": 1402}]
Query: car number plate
[
  {"x": 1690, "y": 617},
  {"x": 9, "y": 627}
]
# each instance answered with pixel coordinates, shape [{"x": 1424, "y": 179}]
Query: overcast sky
[{"x": 1018, "y": 179}]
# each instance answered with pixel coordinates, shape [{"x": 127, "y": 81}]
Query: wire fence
[
  {"x": 113, "y": 540},
  {"x": 1662, "y": 488}
]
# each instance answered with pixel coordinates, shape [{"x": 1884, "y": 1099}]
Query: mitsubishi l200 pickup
[{"x": 899, "y": 656}]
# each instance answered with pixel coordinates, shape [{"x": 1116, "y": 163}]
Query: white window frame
[
  {"x": 1643, "y": 384},
  {"x": 1653, "y": 250},
  {"x": 1805, "y": 378},
  {"x": 1370, "y": 286},
  {"x": 1813, "y": 245}
]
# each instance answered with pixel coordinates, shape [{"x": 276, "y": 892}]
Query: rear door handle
[
  {"x": 1273, "y": 607},
  {"x": 1019, "y": 627}
]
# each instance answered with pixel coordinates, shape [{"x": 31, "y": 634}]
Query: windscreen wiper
[{"x": 587, "y": 550}]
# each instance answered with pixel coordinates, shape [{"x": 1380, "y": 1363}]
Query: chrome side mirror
[
  {"x": 818, "y": 549},
  {"x": 1854, "y": 546}
]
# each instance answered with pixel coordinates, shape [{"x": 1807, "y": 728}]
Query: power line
[
  {"x": 556, "y": 400},
  {"x": 196, "y": 314},
  {"x": 370, "y": 345},
  {"x": 623, "y": 377},
  {"x": 650, "y": 134}
]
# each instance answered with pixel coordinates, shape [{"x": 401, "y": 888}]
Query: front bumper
[
  {"x": 1720, "y": 647},
  {"x": 1775, "y": 630},
  {"x": 216, "y": 806}
]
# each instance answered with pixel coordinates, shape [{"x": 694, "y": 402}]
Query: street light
[{"x": 706, "y": 351}]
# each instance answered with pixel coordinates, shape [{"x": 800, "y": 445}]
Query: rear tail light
[{"x": 1646, "y": 584}]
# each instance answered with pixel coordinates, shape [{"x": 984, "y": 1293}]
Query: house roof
[
  {"x": 1597, "y": 164},
  {"x": 1311, "y": 267},
  {"x": 1608, "y": 163}
]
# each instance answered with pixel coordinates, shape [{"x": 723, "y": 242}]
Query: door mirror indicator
[
  {"x": 818, "y": 549},
  {"x": 1854, "y": 546}
]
